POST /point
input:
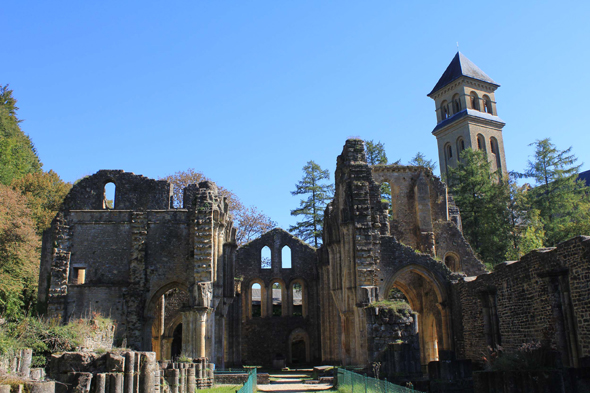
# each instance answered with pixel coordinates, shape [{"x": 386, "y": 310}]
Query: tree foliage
[
  {"x": 420, "y": 160},
  {"x": 318, "y": 194},
  {"x": 483, "y": 200},
  {"x": 375, "y": 152},
  {"x": 249, "y": 221},
  {"x": 44, "y": 192},
  {"x": 526, "y": 231},
  {"x": 561, "y": 200},
  {"x": 17, "y": 153},
  {"x": 19, "y": 255}
]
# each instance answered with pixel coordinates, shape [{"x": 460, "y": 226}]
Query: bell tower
[{"x": 466, "y": 115}]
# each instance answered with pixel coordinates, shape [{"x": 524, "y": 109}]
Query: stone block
[
  {"x": 115, "y": 363},
  {"x": 41, "y": 387}
]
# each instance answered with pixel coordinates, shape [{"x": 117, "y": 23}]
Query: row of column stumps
[{"x": 186, "y": 377}]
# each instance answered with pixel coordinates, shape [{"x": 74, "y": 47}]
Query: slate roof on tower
[{"x": 461, "y": 66}]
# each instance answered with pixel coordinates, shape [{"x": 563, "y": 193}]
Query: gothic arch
[{"x": 428, "y": 298}]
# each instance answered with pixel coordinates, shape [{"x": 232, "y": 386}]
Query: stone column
[
  {"x": 194, "y": 330},
  {"x": 166, "y": 348}
]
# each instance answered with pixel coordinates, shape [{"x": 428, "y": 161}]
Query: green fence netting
[
  {"x": 347, "y": 381},
  {"x": 250, "y": 385}
]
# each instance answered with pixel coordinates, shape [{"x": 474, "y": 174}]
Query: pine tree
[
  {"x": 526, "y": 229},
  {"x": 376, "y": 155},
  {"x": 483, "y": 201},
  {"x": 420, "y": 160},
  {"x": 312, "y": 209},
  {"x": 562, "y": 200},
  {"x": 17, "y": 153}
]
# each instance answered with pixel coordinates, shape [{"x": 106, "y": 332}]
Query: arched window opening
[
  {"x": 265, "y": 258},
  {"x": 286, "y": 258},
  {"x": 444, "y": 109},
  {"x": 460, "y": 146},
  {"x": 487, "y": 104},
  {"x": 456, "y": 103},
  {"x": 108, "y": 200},
  {"x": 297, "y": 300},
  {"x": 396, "y": 295},
  {"x": 475, "y": 101},
  {"x": 481, "y": 142},
  {"x": 495, "y": 150},
  {"x": 256, "y": 300},
  {"x": 452, "y": 262},
  {"x": 385, "y": 190},
  {"x": 277, "y": 300},
  {"x": 449, "y": 151}
]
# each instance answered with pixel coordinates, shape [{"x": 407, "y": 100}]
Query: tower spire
[{"x": 466, "y": 114}]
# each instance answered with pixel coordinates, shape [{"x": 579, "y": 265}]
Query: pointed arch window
[
  {"x": 286, "y": 257},
  {"x": 265, "y": 258}
]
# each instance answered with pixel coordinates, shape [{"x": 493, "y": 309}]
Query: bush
[
  {"x": 530, "y": 356},
  {"x": 45, "y": 336}
]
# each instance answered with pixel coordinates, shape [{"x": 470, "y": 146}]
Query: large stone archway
[
  {"x": 164, "y": 312},
  {"x": 428, "y": 299}
]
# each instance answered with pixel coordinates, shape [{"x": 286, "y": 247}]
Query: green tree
[
  {"x": 19, "y": 255},
  {"x": 17, "y": 153},
  {"x": 312, "y": 208},
  {"x": 375, "y": 152},
  {"x": 420, "y": 160},
  {"x": 562, "y": 200},
  {"x": 526, "y": 229},
  {"x": 44, "y": 192},
  {"x": 483, "y": 201},
  {"x": 376, "y": 155}
]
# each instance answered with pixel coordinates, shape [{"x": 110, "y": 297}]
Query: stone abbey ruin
[{"x": 175, "y": 281}]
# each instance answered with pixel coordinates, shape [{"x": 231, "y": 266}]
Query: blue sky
[{"x": 248, "y": 91}]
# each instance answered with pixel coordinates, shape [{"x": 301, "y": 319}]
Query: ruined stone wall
[
  {"x": 265, "y": 338},
  {"x": 132, "y": 254},
  {"x": 362, "y": 259},
  {"x": 424, "y": 217},
  {"x": 393, "y": 341},
  {"x": 353, "y": 224},
  {"x": 542, "y": 297}
]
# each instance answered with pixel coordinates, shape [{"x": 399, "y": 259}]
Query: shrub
[{"x": 47, "y": 336}]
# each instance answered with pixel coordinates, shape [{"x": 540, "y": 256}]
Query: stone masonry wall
[
  {"x": 265, "y": 337},
  {"x": 542, "y": 297}
]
